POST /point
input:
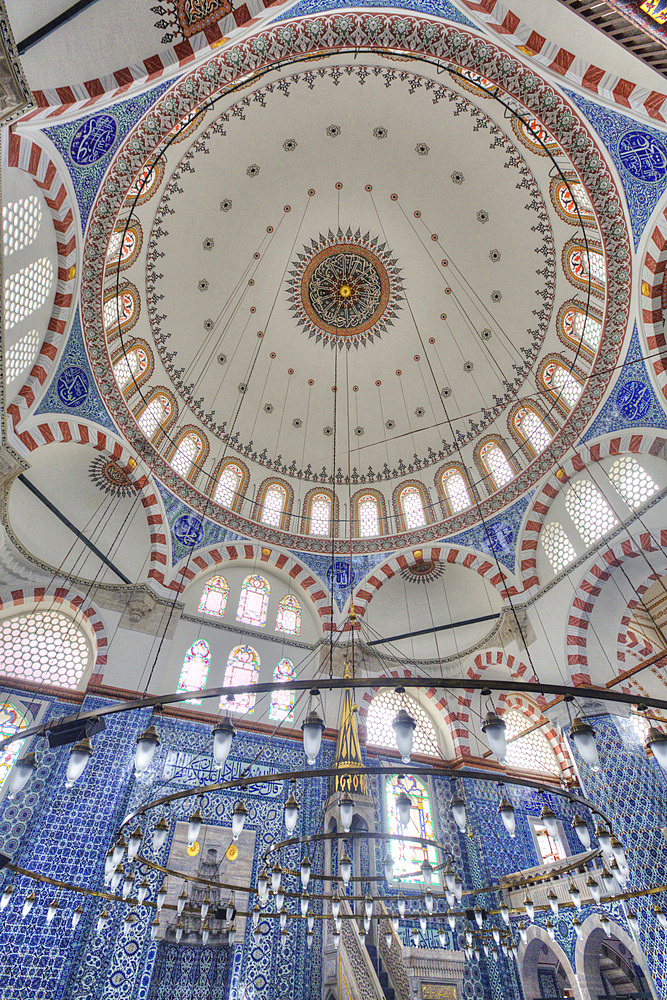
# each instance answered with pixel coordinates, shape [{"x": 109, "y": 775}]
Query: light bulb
[
  {"x": 21, "y": 773},
  {"x": 276, "y": 877},
  {"x": 345, "y": 869},
  {"x": 160, "y": 898},
  {"x": 305, "y": 870},
  {"x": 181, "y": 901},
  {"x": 346, "y": 805},
  {"x": 583, "y": 737},
  {"x": 79, "y": 757},
  {"x": 451, "y": 920},
  {"x": 594, "y": 889},
  {"x": 204, "y": 934},
  {"x": 76, "y": 916},
  {"x": 429, "y": 901},
  {"x": 310, "y": 920},
  {"x": 389, "y": 865},
  {"x": 147, "y": 744},
  {"x": 142, "y": 891},
  {"x": 459, "y": 812},
  {"x": 493, "y": 728},
  {"x": 580, "y": 827},
  {"x": 548, "y": 817},
  {"x": 160, "y": 831},
  {"x": 223, "y": 734},
  {"x": 238, "y": 819},
  {"x": 28, "y": 904},
  {"x": 656, "y": 741},
  {"x": 479, "y": 917},
  {"x": 291, "y": 814},
  {"x": 134, "y": 843},
  {"x": 507, "y": 815},
  {"x": 427, "y": 872},
  {"x": 400, "y": 902},
  {"x": 194, "y": 827},
  {"x": 102, "y": 921},
  {"x": 6, "y": 897},
  {"x": 552, "y": 899},
  {"x": 442, "y": 936},
  {"x": 403, "y": 807},
  {"x": 404, "y": 729},
  {"x": 51, "y": 911},
  {"x": 312, "y": 729},
  {"x": 505, "y": 913}
]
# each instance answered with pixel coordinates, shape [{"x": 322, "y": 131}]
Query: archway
[
  {"x": 610, "y": 966},
  {"x": 544, "y": 968}
]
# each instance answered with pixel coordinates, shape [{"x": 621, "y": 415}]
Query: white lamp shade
[
  {"x": 147, "y": 744},
  {"x": 309, "y": 939},
  {"x": 427, "y": 872},
  {"x": 304, "y": 871},
  {"x": 493, "y": 728},
  {"x": 505, "y": 913},
  {"x": 310, "y": 920},
  {"x": 583, "y": 833},
  {"x": 21, "y": 773},
  {"x": 79, "y": 757},
  {"x": 76, "y": 917},
  {"x": 194, "y": 827},
  {"x": 507, "y": 815},
  {"x": 128, "y": 885},
  {"x": 160, "y": 898},
  {"x": 429, "y": 902},
  {"x": 134, "y": 843},
  {"x": 442, "y": 937},
  {"x": 403, "y": 807},
  {"x": 204, "y": 934},
  {"x": 395, "y": 923},
  {"x": 160, "y": 831},
  {"x": 479, "y": 917},
  {"x": 459, "y": 813},
  {"x": 28, "y": 904},
  {"x": 422, "y": 924},
  {"x": 335, "y": 907},
  {"x": 345, "y": 868},
  {"x": 118, "y": 851},
  {"x": 346, "y": 805},
  {"x": 458, "y": 888},
  {"x": 255, "y": 915},
  {"x": 594, "y": 889},
  {"x": 312, "y": 729},
  {"x": 262, "y": 885},
  {"x": 238, "y": 819},
  {"x": 276, "y": 877},
  {"x": 583, "y": 737},
  {"x": 604, "y": 838},
  {"x": 553, "y": 902},
  {"x": 102, "y": 921},
  {"x": 280, "y": 899},
  {"x": 291, "y": 814},
  {"x": 282, "y": 917},
  {"x": 401, "y": 905},
  {"x": 305, "y": 903},
  {"x": 179, "y": 934},
  {"x": 451, "y": 920},
  {"x": 387, "y": 939},
  {"x": 181, "y": 901},
  {"x": 404, "y": 729},
  {"x": 368, "y": 906},
  {"x": 206, "y": 905},
  {"x": 662, "y": 917},
  {"x": 389, "y": 865},
  {"x": 6, "y": 896},
  {"x": 548, "y": 817},
  {"x": 223, "y": 734},
  {"x": 51, "y": 911}
]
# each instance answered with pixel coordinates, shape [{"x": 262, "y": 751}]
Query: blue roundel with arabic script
[
  {"x": 634, "y": 400},
  {"x": 643, "y": 156},
  {"x": 188, "y": 530},
  {"x": 73, "y": 386},
  {"x": 93, "y": 139}
]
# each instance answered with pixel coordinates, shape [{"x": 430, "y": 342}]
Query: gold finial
[{"x": 346, "y": 673}]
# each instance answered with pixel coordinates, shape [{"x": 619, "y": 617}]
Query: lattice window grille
[
  {"x": 46, "y": 646},
  {"x": 456, "y": 491},
  {"x": 413, "y": 508},
  {"x": 273, "y": 506},
  {"x": 320, "y": 515},
  {"x": 382, "y": 712},
  {"x": 497, "y": 463},
  {"x": 186, "y": 455},
  {"x": 591, "y": 514},
  {"x": 531, "y": 752},
  {"x": 228, "y": 485},
  {"x": 154, "y": 416},
  {"x": 369, "y": 517},
  {"x": 130, "y": 366},
  {"x": 565, "y": 385},
  {"x": 558, "y": 547},
  {"x": 632, "y": 481},
  {"x": 21, "y": 221},
  {"x": 27, "y": 290},
  {"x": 533, "y": 429},
  {"x": 20, "y": 355}
]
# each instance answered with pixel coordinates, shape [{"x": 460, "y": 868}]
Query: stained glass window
[
  {"x": 632, "y": 481},
  {"x": 45, "y": 646},
  {"x": 229, "y": 485},
  {"x": 195, "y": 669},
  {"x": 242, "y": 668},
  {"x": 189, "y": 449},
  {"x": 412, "y": 508},
  {"x": 11, "y": 721},
  {"x": 288, "y": 619},
  {"x": 562, "y": 383},
  {"x": 155, "y": 415},
  {"x": 558, "y": 547},
  {"x": 496, "y": 463},
  {"x": 408, "y": 857},
  {"x": 320, "y": 514},
  {"x": 282, "y": 702},
  {"x": 369, "y": 516},
  {"x": 591, "y": 514},
  {"x": 130, "y": 366},
  {"x": 254, "y": 601},
  {"x": 213, "y": 600},
  {"x": 455, "y": 489},
  {"x": 275, "y": 500},
  {"x": 382, "y": 712},
  {"x": 532, "y": 428},
  {"x": 531, "y": 752}
]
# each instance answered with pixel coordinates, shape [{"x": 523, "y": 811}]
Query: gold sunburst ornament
[
  {"x": 232, "y": 852},
  {"x": 193, "y": 849}
]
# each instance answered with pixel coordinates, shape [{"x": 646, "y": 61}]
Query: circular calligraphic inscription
[
  {"x": 643, "y": 156},
  {"x": 634, "y": 400},
  {"x": 188, "y": 530},
  {"x": 93, "y": 139},
  {"x": 73, "y": 386}
]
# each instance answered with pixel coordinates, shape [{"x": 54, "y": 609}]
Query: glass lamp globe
[
  {"x": 362, "y": 935},
  {"x": 142, "y": 891},
  {"x": 496, "y": 934},
  {"x": 310, "y": 936},
  {"x": 507, "y": 815},
  {"x": 404, "y": 729},
  {"x": 505, "y": 913},
  {"x": 160, "y": 898},
  {"x": 552, "y": 899},
  {"x": 429, "y": 901},
  {"x": 134, "y": 843},
  {"x": 206, "y": 905},
  {"x": 346, "y": 805},
  {"x": 280, "y": 899},
  {"x": 594, "y": 889},
  {"x": 230, "y": 909},
  {"x": 449, "y": 878},
  {"x": 128, "y": 885},
  {"x": 422, "y": 923},
  {"x": 662, "y": 917},
  {"x": 310, "y": 920},
  {"x": 618, "y": 852},
  {"x": 102, "y": 921},
  {"x": 387, "y": 939},
  {"x": 395, "y": 922},
  {"x": 291, "y": 814},
  {"x": 368, "y": 905},
  {"x": 345, "y": 868},
  {"x": 335, "y": 904},
  {"x": 403, "y": 807},
  {"x": 160, "y": 831},
  {"x": 523, "y": 933},
  {"x": 181, "y": 901},
  {"x": 336, "y": 939},
  {"x": 21, "y": 773},
  {"x": 633, "y": 922},
  {"x": 583, "y": 833},
  {"x": 204, "y": 934},
  {"x": 155, "y": 927},
  {"x": 255, "y": 915},
  {"x": 262, "y": 885},
  {"x": 493, "y": 728},
  {"x": 550, "y": 929},
  {"x": 415, "y": 938},
  {"x": 479, "y": 917},
  {"x": 282, "y": 918},
  {"x": 194, "y": 827},
  {"x": 604, "y": 838},
  {"x": 51, "y": 911},
  {"x": 6, "y": 896},
  {"x": 147, "y": 744},
  {"x": 284, "y": 939},
  {"x": 583, "y": 737},
  {"x": 548, "y": 817},
  {"x": 442, "y": 936},
  {"x": 400, "y": 903},
  {"x": 451, "y": 919},
  {"x": 76, "y": 916},
  {"x": 179, "y": 931},
  {"x": 305, "y": 903},
  {"x": 427, "y": 872},
  {"x": 79, "y": 757},
  {"x": 576, "y": 923},
  {"x": 28, "y": 904},
  {"x": 389, "y": 865},
  {"x": 276, "y": 877},
  {"x": 459, "y": 812},
  {"x": 304, "y": 871},
  {"x": 312, "y": 729},
  {"x": 223, "y": 735},
  {"x": 530, "y": 908},
  {"x": 605, "y": 924},
  {"x": 238, "y": 819},
  {"x": 458, "y": 888},
  {"x": 118, "y": 851}
]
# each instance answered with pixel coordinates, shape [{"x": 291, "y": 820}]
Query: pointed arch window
[
  {"x": 411, "y": 506},
  {"x": 130, "y": 367},
  {"x": 568, "y": 196},
  {"x": 320, "y": 514},
  {"x": 242, "y": 668},
  {"x": 590, "y": 513},
  {"x": 282, "y": 702},
  {"x": 195, "y": 669},
  {"x": 13, "y": 721},
  {"x": 368, "y": 511},
  {"x": 583, "y": 265},
  {"x": 274, "y": 505},
  {"x": 557, "y": 545},
  {"x": 532, "y": 429},
  {"x": 213, "y": 600},
  {"x": 496, "y": 464},
  {"x": 124, "y": 246},
  {"x": 288, "y": 619},
  {"x": 155, "y": 415},
  {"x": 455, "y": 490},
  {"x": 632, "y": 481},
  {"x": 228, "y": 489},
  {"x": 254, "y": 601},
  {"x": 579, "y": 325},
  {"x": 187, "y": 454},
  {"x": 531, "y": 752},
  {"x": 408, "y": 857},
  {"x": 561, "y": 383},
  {"x": 120, "y": 312},
  {"x": 145, "y": 184}
]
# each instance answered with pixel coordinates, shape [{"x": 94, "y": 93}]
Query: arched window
[
  {"x": 455, "y": 490},
  {"x": 288, "y": 619},
  {"x": 45, "y": 646},
  {"x": 569, "y": 195},
  {"x": 591, "y": 514},
  {"x": 368, "y": 514},
  {"x": 125, "y": 244},
  {"x": 408, "y": 856},
  {"x": 145, "y": 184},
  {"x": 632, "y": 481},
  {"x": 13, "y": 721},
  {"x": 282, "y": 702},
  {"x": 242, "y": 668},
  {"x": 130, "y": 367},
  {"x": 320, "y": 515},
  {"x": 188, "y": 454},
  {"x": 382, "y": 712},
  {"x": 558, "y": 547},
  {"x": 533, "y": 134},
  {"x": 274, "y": 505},
  {"x": 195, "y": 669},
  {"x": 563, "y": 386},
  {"x": 582, "y": 265},
  {"x": 230, "y": 481},
  {"x": 120, "y": 312},
  {"x": 21, "y": 222},
  {"x": 531, "y": 752},
  {"x": 27, "y": 290},
  {"x": 155, "y": 415},
  {"x": 213, "y": 600},
  {"x": 254, "y": 601},
  {"x": 496, "y": 464},
  {"x": 411, "y": 508},
  {"x": 531, "y": 427},
  {"x": 580, "y": 326},
  {"x": 20, "y": 356}
]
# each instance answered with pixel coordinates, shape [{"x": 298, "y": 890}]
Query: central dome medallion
[{"x": 345, "y": 289}]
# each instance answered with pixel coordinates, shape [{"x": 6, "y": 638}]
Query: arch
[
  {"x": 189, "y": 452},
  {"x": 288, "y": 618},
  {"x": 561, "y": 383},
  {"x": 194, "y": 671},
  {"x": 652, "y": 301},
  {"x": 587, "y": 948},
  {"x": 369, "y": 512},
  {"x": 153, "y": 176},
  {"x": 589, "y": 511},
  {"x": 24, "y": 153},
  {"x": 532, "y": 716},
  {"x": 493, "y": 462},
  {"x": 530, "y": 428},
  {"x": 538, "y": 942},
  {"x": 253, "y": 601},
  {"x": 46, "y": 645},
  {"x": 412, "y": 505},
  {"x": 408, "y": 857},
  {"x": 214, "y": 596},
  {"x": 580, "y": 328},
  {"x": 315, "y": 520},
  {"x": 124, "y": 245},
  {"x": 156, "y": 414},
  {"x": 132, "y": 367},
  {"x": 273, "y": 507},
  {"x": 567, "y": 194},
  {"x": 454, "y": 488},
  {"x": 580, "y": 265},
  {"x": 380, "y": 713},
  {"x": 120, "y": 312},
  {"x": 282, "y": 702},
  {"x": 530, "y": 131},
  {"x": 242, "y": 668},
  {"x": 230, "y": 481}
]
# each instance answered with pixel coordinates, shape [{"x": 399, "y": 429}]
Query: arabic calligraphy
[
  {"x": 634, "y": 400},
  {"x": 93, "y": 139},
  {"x": 188, "y": 530},
  {"x": 643, "y": 156},
  {"x": 187, "y": 768},
  {"x": 73, "y": 386}
]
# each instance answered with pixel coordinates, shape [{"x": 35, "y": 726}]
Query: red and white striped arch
[
  {"x": 621, "y": 444},
  {"x": 653, "y": 276},
  {"x": 535, "y": 717},
  {"x": 439, "y": 700},
  {"x": 19, "y": 151}
]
